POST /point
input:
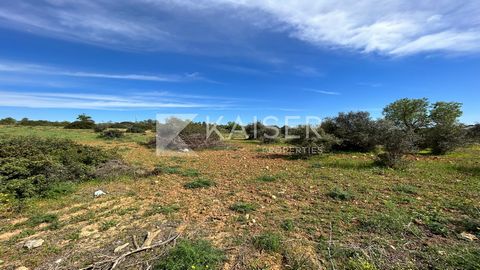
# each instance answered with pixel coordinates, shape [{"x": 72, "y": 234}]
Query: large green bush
[
  {"x": 356, "y": 130},
  {"x": 83, "y": 122},
  {"x": 30, "y": 166},
  {"x": 310, "y": 141}
]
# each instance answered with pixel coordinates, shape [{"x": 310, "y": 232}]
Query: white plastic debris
[
  {"x": 185, "y": 150},
  {"x": 99, "y": 193}
]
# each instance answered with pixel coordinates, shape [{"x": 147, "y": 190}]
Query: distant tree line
[{"x": 407, "y": 126}]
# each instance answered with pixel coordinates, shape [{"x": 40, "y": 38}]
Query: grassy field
[{"x": 265, "y": 211}]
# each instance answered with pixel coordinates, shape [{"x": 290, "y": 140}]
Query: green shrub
[
  {"x": 136, "y": 129},
  {"x": 268, "y": 241},
  {"x": 8, "y": 121},
  {"x": 265, "y": 134},
  {"x": 107, "y": 225},
  {"x": 199, "y": 183},
  {"x": 32, "y": 166},
  {"x": 80, "y": 125},
  {"x": 243, "y": 208},
  {"x": 190, "y": 173},
  {"x": 100, "y": 128},
  {"x": 407, "y": 189},
  {"x": 38, "y": 219},
  {"x": 161, "y": 168},
  {"x": 162, "y": 209},
  {"x": 288, "y": 225},
  {"x": 83, "y": 122},
  {"x": 356, "y": 131},
  {"x": 192, "y": 254},
  {"x": 112, "y": 134},
  {"x": 310, "y": 141},
  {"x": 360, "y": 264},
  {"x": 339, "y": 194},
  {"x": 397, "y": 143},
  {"x": 266, "y": 178}
]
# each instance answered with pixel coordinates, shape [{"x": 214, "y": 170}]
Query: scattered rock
[
  {"x": 120, "y": 248},
  {"x": 22, "y": 268},
  {"x": 99, "y": 193},
  {"x": 274, "y": 197},
  {"x": 247, "y": 216},
  {"x": 34, "y": 243},
  {"x": 59, "y": 261},
  {"x": 468, "y": 236}
]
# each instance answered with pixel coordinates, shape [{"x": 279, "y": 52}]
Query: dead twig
[
  {"x": 143, "y": 248},
  {"x": 117, "y": 260},
  {"x": 135, "y": 244},
  {"x": 329, "y": 247}
]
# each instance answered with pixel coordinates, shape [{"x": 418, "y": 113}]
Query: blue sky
[{"x": 129, "y": 60}]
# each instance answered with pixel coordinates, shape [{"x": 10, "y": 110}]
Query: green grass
[
  {"x": 288, "y": 225},
  {"x": 199, "y": 183},
  {"x": 162, "y": 209},
  {"x": 340, "y": 194},
  {"x": 38, "y": 219},
  {"x": 407, "y": 189},
  {"x": 191, "y": 254},
  {"x": 266, "y": 178},
  {"x": 268, "y": 241},
  {"x": 81, "y": 135},
  {"x": 107, "y": 225},
  {"x": 190, "y": 173},
  {"x": 243, "y": 208}
]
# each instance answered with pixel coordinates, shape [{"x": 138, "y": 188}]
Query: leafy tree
[
  {"x": 84, "y": 118},
  {"x": 446, "y": 133},
  {"x": 8, "y": 121},
  {"x": 408, "y": 114},
  {"x": 396, "y": 144},
  {"x": 83, "y": 122},
  {"x": 474, "y": 132}
]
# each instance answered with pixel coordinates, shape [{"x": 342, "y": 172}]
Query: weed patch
[
  {"x": 107, "y": 225},
  {"x": 406, "y": 189},
  {"x": 191, "y": 254},
  {"x": 340, "y": 194},
  {"x": 199, "y": 183},
  {"x": 266, "y": 178},
  {"x": 162, "y": 209},
  {"x": 268, "y": 241},
  {"x": 243, "y": 208}
]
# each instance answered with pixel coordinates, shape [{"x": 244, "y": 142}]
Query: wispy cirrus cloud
[
  {"x": 389, "y": 27},
  {"x": 324, "y": 92},
  {"x": 63, "y": 100},
  {"x": 15, "y": 67}
]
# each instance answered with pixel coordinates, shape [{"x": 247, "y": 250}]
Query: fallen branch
[{"x": 117, "y": 260}]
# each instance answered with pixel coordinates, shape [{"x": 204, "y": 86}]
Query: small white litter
[{"x": 99, "y": 193}]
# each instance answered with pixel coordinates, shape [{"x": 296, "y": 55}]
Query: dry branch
[{"x": 147, "y": 245}]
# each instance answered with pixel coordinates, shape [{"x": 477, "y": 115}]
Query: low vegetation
[{"x": 32, "y": 166}]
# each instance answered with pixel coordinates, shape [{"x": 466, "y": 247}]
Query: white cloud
[
  {"x": 389, "y": 27},
  {"x": 324, "y": 92},
  {"x": 99, "y": 102},
  {"x": 48, "y": 70},
  {"x": 395, "y": 27}
]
